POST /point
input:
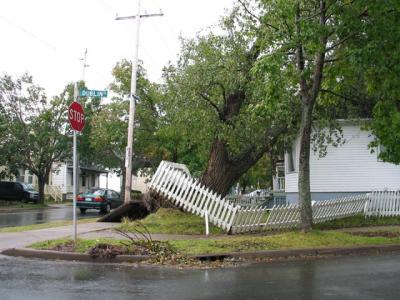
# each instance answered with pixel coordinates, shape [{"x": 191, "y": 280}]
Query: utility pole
[
  {"x": 132, "y": 99},
  {"x": 75, "y": 171},
  {"x": 85, "y": 65}
]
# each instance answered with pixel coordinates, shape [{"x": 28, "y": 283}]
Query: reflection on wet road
[
  {"x": 29, "y": 217},
  {"x": 369, "y": 277}
]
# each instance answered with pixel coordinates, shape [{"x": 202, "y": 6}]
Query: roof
[{"x": 91, "y": 169}]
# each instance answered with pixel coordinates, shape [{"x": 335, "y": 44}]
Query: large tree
[
  {"x": 306, "y": 48},
  {"x": 33, "y": 130},
  {"x": 220, "y": 106}
]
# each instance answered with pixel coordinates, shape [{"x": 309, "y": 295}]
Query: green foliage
[
  {"x": 34, "y": 133},
  {"x": 259, "y": 176},
  {"x": 381, "y": 68},
  {"x": 212, "y": 94},
  {"x": 110, "y": 123}
]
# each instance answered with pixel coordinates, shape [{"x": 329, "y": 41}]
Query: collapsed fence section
[{"x": 175, "y": 183}]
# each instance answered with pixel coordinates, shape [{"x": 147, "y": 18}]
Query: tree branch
[
  {"x": 340, "y": 42},
  {"x": 208, "y": 100},
  {"x": 300, "y": 56},
  {"x": 320, "y": 56},
  {"x": 249, "y": 12},
  {"x": 335, "y": 94}
]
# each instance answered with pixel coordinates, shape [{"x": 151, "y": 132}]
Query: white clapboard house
[
  {"x": 346, "y": 170},
  {"x": 60, "y": 182}
]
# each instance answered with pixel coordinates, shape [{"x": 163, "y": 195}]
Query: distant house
[
  {"x": 140, "y": 183},
  {"x": 348, "y": 169},
  {"x": 61, "y": 179}
]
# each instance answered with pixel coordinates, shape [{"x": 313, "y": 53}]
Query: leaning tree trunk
[
  {"x": 219, "y": 174},
  {"x": 222, "y": 172},
  {"x": 304, "y": 170}
]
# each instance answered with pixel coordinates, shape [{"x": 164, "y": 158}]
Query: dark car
[
  {"x": 18, "y": 191},
  {"x": 101, "y": 199}
]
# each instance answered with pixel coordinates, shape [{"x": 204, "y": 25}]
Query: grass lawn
[
  {"x": 81, "y": 246},
  {"x": 45, "y": 225},
  {"x": 283, "y": 241},
  {"x": 358, "y": 221},
  {"x": 172, "y": 221}
]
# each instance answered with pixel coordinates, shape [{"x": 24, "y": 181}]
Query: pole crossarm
[{"x": 141, "y": 16}]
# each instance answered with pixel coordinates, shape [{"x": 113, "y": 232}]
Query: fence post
[{"x": 206, "y": 221}]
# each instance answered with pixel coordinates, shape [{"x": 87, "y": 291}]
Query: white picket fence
[
  {"x": 338, "y": 208},
  {"x": 383, "y": 204},
  {"x": 253, "y": 219},
  {"x": 174, "y": 182}
]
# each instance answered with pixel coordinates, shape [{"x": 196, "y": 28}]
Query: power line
[{"x": 47, "y": 44}]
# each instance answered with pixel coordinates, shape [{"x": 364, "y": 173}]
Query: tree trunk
[
  {"x": 309, "y": 93},
  {"x": 218, "y": 175},
  {"x": 41, "y": 184},
  {"x": 304, "y": 169},
  {"x": 123, "y": 174},
  {"x": 221, "y": 172}
]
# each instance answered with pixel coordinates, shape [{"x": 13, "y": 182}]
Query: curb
[
  {"x": 71, "y": 256},
  {"x": 374, "y": 249},
  {"x": 269, "y": 254}
]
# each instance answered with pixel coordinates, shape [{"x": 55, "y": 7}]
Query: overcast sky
[{"x": 48, "y": 37}]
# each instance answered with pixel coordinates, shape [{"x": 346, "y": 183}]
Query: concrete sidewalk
[
  {"x": 25, "y": 238},
  {"x": 85, "y": 231}
]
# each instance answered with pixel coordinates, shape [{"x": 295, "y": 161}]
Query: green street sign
[{"x": 93, "y": 93}]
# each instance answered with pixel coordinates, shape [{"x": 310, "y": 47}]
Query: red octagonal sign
[{"x": 76, "y": 116}]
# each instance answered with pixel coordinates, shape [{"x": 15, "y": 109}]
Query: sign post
[{"x": 76, "y": 119}]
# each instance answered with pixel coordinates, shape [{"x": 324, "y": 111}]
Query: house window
[
  {"x": 83, "y": 180},
  {"x": 93, "y": 180},
  {"x": 30, "y": 177},
  {"x": 291, "y": 160},
  {"x": 20, "y": 176},
  {"x": 72, "y": 178},
  {"x": 381, "y": 148}
]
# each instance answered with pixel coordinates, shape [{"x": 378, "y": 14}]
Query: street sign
[
  {"x": 76, "y": 116},
  {"x": 93, "y": 93}
]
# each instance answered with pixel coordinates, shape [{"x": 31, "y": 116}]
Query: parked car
[
  {"x": 100, "y": 199},
  {"x": 18, "y": 191}
]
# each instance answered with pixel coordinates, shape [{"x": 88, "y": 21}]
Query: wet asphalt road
[
  {"x": 368, "y": 277},
  {"x": 39, "y": 216}
]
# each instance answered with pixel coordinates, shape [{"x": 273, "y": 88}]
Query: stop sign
[{"x": 76, "y": 116}]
